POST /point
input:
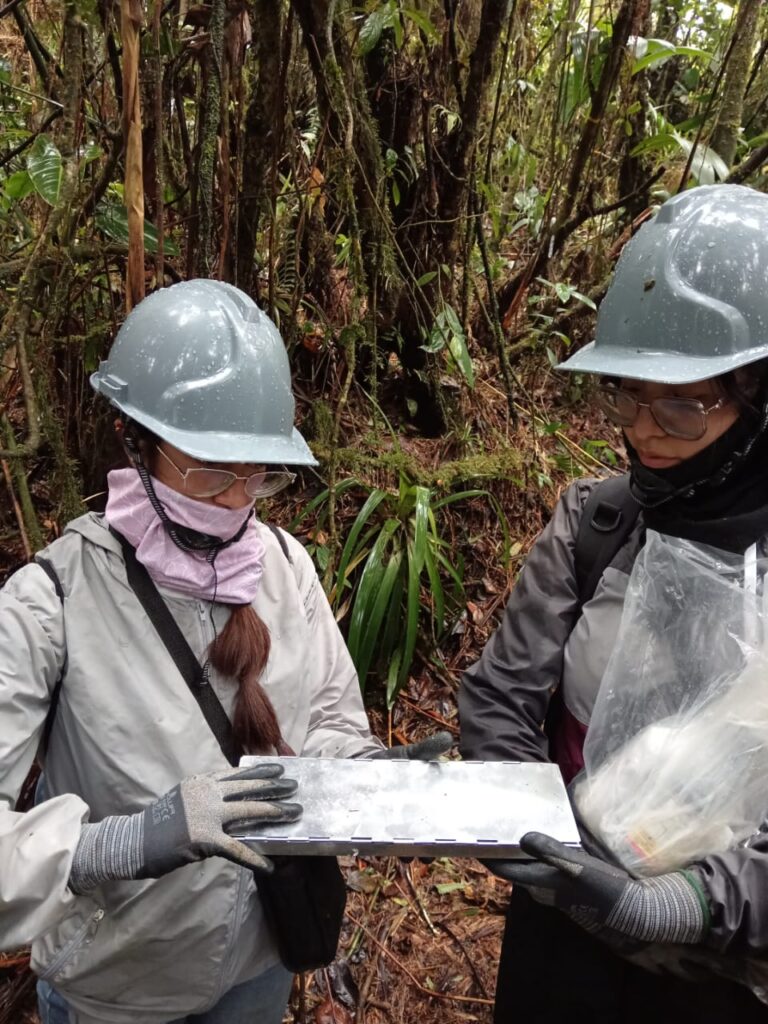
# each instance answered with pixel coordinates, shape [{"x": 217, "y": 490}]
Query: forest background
[{"x": 428, "y": 197}]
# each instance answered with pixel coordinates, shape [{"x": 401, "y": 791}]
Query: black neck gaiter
[{"x": 717, "y": 497}]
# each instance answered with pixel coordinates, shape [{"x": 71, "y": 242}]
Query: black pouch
[{"x": 304, "y": 901}]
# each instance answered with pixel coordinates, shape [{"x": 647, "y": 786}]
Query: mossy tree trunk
[{"x": 725, "y": 135}]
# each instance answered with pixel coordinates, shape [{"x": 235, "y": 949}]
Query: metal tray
[{"x": 415, "y": 808}]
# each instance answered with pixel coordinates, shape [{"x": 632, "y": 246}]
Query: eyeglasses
[
  {"x": 206, "y": 483},
  {"x": 684, "y": 418}
]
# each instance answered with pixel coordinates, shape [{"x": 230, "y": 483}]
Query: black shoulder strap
[
  {"x": 190, "y": 668},
  {"x": 50, "y": 718},
  {"x": 609, "y": 515}
]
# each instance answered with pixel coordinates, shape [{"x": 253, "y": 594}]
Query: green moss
[
  {"x": 321, "y": 423},
  {"x": 485, "y": 466}
]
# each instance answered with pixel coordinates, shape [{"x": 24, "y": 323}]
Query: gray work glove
[
  {"x": 429, "y": 749},
  {"x": 603, "y": 898},
  {"x": 188, "y": 824}
]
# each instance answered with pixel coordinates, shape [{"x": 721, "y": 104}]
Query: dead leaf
[{"x": 330, "y": 1012}]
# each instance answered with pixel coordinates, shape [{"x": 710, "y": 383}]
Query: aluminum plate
[{"x": 415, "y": 808}]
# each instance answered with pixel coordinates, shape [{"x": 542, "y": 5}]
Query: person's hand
[
  {"x": 189, "y": 823},
  {"x": 429, "y": 749},
  {"x": 600, "y": 896}
]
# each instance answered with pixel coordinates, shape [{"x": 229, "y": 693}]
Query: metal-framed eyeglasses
[
  {"x": 201, "y": 482},
  {"x": 684, "y": 418}
]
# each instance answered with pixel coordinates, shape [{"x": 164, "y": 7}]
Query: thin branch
[
  {"x": 754, "y": 162},
  {"x": 421, "y": 988}
]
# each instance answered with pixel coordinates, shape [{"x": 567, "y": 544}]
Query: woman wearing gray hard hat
[
  {"x": 148, "y": 648},
  {"x": 681, "y": 349}
]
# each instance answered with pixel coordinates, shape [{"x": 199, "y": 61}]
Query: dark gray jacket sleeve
[
  {"x": 737, "y": 886},
  {"x": 504, "y": 697}
]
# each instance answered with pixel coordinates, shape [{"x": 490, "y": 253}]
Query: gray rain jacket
[
  {"x": 127, "y": 729},
  {"x": 546, "y": 643}
]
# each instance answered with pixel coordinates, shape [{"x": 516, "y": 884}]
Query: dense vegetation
[{"x": 426, "y": 195}]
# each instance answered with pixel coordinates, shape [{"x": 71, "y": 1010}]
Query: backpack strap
[
  {"x": 609, "y": 516},
  {"x": 177, "y": 645},
  {"x": 280, "y": 536}
]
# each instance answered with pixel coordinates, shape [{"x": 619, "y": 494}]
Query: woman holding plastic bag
[{"x": 681, "y": 348}]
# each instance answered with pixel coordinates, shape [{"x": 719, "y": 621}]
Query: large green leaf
[
  {"x": 372, "y": 633},
  {"x": 436, "y": 589},
  {"x": 367, "y": 589},
  {"x": 373, "y": 26},
  {"x": 372, "y": 502},
  {"x": 112, "y": 219},
  {"x": 659, "y": 50},
  {"x": 18, "y": 185},
  {"x": 707, "y": 166},
  {"x": 448, "y": 330},
  {"x": 320, "y": 499},
  {"x": 421, "y": 520},
  {"x": 45, "y": 169},
  {"x": 413, "y": 606}
]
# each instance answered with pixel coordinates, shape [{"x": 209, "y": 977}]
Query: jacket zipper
[
  {"x": 233, "y": 935},
  {"x": 53, "y": 969}
]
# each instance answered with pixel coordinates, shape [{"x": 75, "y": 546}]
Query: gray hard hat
[
  {"x": 689, "y": 299},
  {"x": 200, "y": 365}
]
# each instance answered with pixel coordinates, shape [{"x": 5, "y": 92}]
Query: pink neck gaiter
[{"x": 239, "y": 567}]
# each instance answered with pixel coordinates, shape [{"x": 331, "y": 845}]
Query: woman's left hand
[
  {"x": 429, "y": 749},
  {"x": 600, "y": 896}
]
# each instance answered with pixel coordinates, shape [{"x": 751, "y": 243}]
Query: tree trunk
[
  {"x": 130, "y": 21},
  {"x": 263, "y": 132},
  {"x": 725, "y": 135},
  {"x": 207, "y": 250}
]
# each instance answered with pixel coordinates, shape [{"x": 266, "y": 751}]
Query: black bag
[
  {"x": 304, "y": 903},
  {"x": 305, "y": 897}
]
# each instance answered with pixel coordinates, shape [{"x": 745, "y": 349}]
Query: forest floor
[{"x": 421, "y": 942}]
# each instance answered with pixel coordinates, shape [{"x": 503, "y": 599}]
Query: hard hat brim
[
  {"x": 222, "y": 446},
  {"x": 658, "y": 367}
]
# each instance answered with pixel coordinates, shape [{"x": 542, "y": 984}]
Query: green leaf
[
  {"x": 372, "y": 502},
  {"x": 413, "y": 606},
  {"x": 367, "y": 589},
  {"x": 376, "y": 615},
  {"x": 397, "y": 27},
  {"x": 661, "y": 141},
  {"x": 19, "y": 185},
  {"x": 445, "y": 887},
  {"x": 707, "y": 166},
  {"x": 585, "y": 299},
  {"x": 421, "y": 21},
  {"x": 372, "y": 28},
  {"x": 426, "y": 278},
  {"x": 660, "y": 50},
  {"x": 421, "y": 520},
  {"x": 449, "y": 499},
  {"x": 112, "y": 219},
  {"x": 436, "y": 587},
  {"x": 457, "y": 345},
  {"x": 45, "y": 169},
  {"x": 92, "y": 152}
]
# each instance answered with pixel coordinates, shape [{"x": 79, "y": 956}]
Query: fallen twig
[{"x": 421, "y": 988}]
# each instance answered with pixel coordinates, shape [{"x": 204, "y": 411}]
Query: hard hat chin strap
[{"x": 184, "y": 537}]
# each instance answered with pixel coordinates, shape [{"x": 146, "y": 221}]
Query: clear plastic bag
[{"x": 676, "y": 757}]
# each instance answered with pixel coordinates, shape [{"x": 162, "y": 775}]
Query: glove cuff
[
  {"x": 108, "y": 850},
  {"x": 663, "y": 909}
]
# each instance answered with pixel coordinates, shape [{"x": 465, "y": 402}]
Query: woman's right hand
[{"x": 189, "y": 823}]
